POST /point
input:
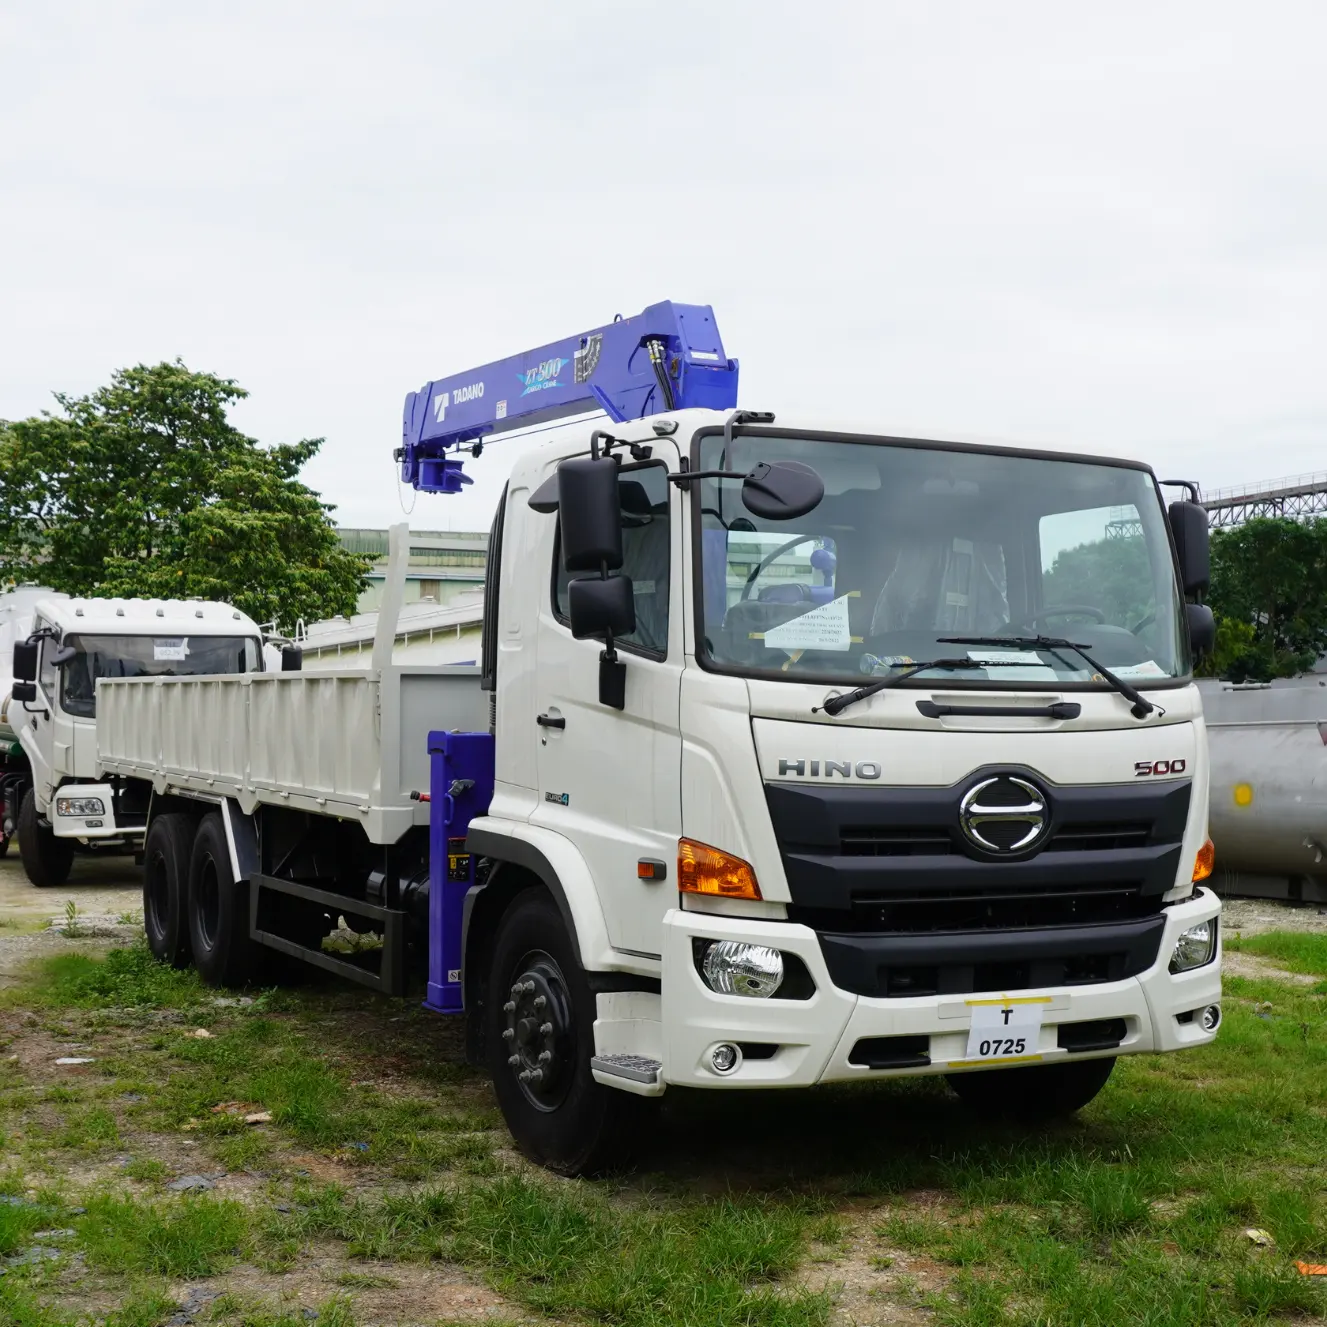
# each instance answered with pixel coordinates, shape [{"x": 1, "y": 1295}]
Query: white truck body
[{"x": 750, "y": 763}]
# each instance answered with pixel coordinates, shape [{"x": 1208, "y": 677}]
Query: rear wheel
[
  {"x": 47, "y": 859},
  {"x": 540, "y": 1039},
  {"x": 1032, "y": 1092},
  {"x": 218, "y": 909},
  {"x": 166, "y": 887}
]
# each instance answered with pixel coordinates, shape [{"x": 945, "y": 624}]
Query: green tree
[
  {"x": 145, "y": 488},
  {"x": 1269, "y": 594}
]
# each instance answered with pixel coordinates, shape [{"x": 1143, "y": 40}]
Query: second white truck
[
  {"x": 797, "y": 755},
  {"x": 53, "y": 792}
]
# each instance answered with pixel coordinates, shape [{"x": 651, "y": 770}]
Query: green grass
[
  {"x": 125, "y": 977},
  {"x": 564, "y": 1250},
  {"x": 1131, "y": 1214},
  {"x": 1295, "y": 951},
  {"x": 182, "y": 1236}
]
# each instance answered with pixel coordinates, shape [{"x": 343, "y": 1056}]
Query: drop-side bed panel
[{"x": 351, "y": 744}]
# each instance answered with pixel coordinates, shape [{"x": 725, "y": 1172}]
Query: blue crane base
[{"x": 460, "y": 788}]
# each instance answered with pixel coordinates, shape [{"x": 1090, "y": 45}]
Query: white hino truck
[
  {"x": 797, "y": 755},
  {"x": 50, "y": 791}
]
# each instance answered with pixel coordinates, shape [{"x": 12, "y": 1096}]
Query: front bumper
[
  {"x": 815, "y": 1038},
  {"x": 90, "y": 829}
]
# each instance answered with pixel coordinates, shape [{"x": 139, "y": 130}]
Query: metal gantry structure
[{"x": 1298, "y": 496}]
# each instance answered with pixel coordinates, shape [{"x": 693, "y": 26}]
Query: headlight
[
  {"x": 79, "y": 806},
  {"x": 1196, "y": 945},
  {"x": 733, "y": 967}
]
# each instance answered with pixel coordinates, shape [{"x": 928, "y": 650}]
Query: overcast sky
[{"x": 1102, "y": 226}]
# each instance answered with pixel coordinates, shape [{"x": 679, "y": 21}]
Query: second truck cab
[{"x": 53, "y": 709}]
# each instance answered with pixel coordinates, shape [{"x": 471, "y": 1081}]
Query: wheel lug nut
[
  {"x": 539, "y": 1001},
  {"x": 508, "y": 1033},
  {"x": 513, "y": 1060},
  {"x": 509, "y": 1007},
  {"x": 546, "y": 1029},
  {"x": 545, "y": 1056}
]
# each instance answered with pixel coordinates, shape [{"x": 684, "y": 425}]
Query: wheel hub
[{"x": 539, "y": 1030}]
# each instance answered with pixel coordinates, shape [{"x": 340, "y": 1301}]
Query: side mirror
[
  {"x": 601, "y": 607},
  {"x": 63, "y": 655},
  {"x": 1202, "y": 629},
  {"x": 25, "y": 661},
  {"x": 782, "y": 490},
  {"x": 24, "y": 691},
  {"x": 589, "y": 512},
  {"x": 1188, "y": 526},
  {"x": 292, "y": 659}
]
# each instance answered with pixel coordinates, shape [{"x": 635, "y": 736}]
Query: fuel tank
[{"x": 1268, "y": 805}]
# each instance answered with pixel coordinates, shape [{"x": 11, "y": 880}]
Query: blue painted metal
[
  {"x": 608, "y": 368},
  {"x": 460, "y": 788}
]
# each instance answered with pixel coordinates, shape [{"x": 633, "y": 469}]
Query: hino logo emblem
[{"x": 1003, "y": 814}]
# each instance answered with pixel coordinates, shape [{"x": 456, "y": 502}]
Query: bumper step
[{"x": 634, "y": 1068}]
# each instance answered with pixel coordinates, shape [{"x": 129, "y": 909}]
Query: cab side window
[
  {"x": 48, "y": 676},
  {"x": 643, "y": 497}
]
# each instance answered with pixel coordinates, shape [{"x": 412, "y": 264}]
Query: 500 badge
[{"x": 1143, "y": 768}]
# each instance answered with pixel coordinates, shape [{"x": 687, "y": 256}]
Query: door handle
[{"x": 551, "y": 721}]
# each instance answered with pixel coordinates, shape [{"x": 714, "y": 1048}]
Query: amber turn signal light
[
  {"x": 705, "y": 870},
  {"x": 1204, "y": 862}
]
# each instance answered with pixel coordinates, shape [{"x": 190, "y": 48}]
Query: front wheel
[
  {"x": 540, "y": 1039},
  {"x": 46, "y": 858},
  {"x": 1032, "y": 1093}
]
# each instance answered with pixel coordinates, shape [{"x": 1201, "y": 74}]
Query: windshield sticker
[
  {"x": 823, "y": 628},
  {"x": 172, "y": 649},
  {"x": 1148, "y": 669},
  {"x": 1036, "y": 671}
]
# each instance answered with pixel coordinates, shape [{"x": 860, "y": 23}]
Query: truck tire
[
  {"x": 1032, "y": 1093},
  {"x": 218, "y": 909},
  {"x": 166, "y": 887},
  {"x": 46, "y": 859},
  {"x": 564, "y": 1119}
]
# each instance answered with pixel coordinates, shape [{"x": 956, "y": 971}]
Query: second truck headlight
[
  {"x": 733, "y": 967},
  {"x": 1196, "y": 945},
  {"x": 80, "y": 806}
]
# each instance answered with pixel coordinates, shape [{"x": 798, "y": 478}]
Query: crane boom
[{"x": 668, "y": 357}]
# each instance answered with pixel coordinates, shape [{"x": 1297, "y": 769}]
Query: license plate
[{"x": 1006, "y": 1029}]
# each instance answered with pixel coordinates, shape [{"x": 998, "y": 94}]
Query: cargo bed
[{"x": 350, "y": 744}]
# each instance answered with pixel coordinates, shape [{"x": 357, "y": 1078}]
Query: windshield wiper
[
  {"x": 837, "y": 704},
  {"x": 1140, "y": 706}
]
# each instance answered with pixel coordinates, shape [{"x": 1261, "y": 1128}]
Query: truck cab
[
  {"x": 911, "y": 782},
  {"x": 62, "y": 804}
]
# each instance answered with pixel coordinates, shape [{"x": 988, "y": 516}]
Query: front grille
[
  {"x": 963, "y": 963},
  {"x": 985, "y": 910},
  {"x": 1099, "y": 838},
  {"x": 856, "y": 841},
  {"x": 929, "y": 841}
]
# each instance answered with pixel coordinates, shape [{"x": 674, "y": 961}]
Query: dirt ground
[{"x": 105, "y": 891}]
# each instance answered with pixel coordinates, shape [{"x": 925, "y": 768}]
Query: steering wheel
[
  {"x": 767, "y": 559},
  {"x": 1065, "y": 610}
]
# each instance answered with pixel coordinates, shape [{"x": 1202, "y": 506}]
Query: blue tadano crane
[{"x": 669, "y": 357}]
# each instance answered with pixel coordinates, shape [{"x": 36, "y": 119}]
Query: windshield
[
  {"x": 913, "y": 544},
  {"x": 147, "y": 656}
]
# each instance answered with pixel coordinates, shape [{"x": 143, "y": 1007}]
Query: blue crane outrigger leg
[{"x": 669, "y": 357}]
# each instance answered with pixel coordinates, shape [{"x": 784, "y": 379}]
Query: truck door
[
  {"x": 610, "y": 780},
  {"x": 45, "y": 739}
]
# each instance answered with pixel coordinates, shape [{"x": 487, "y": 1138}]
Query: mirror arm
[{"x": 683, "y": 478}]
